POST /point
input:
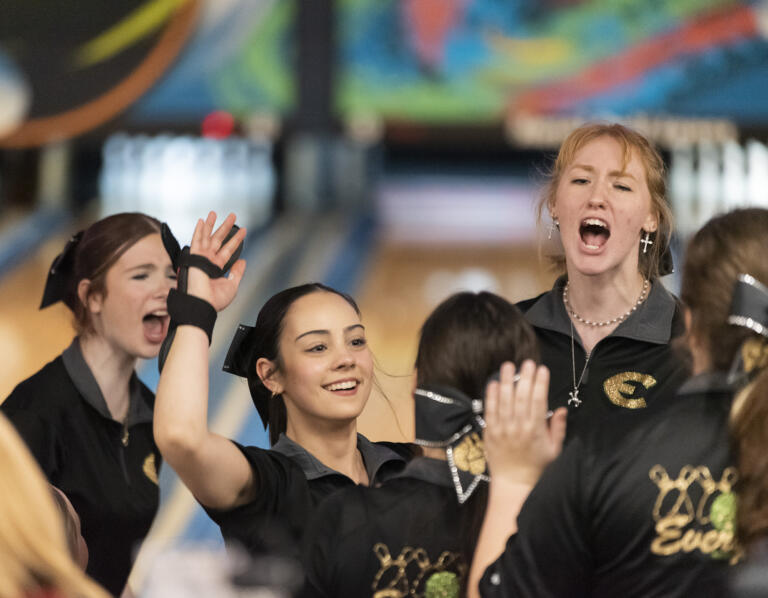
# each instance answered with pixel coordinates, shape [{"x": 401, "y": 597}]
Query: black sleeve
[
  {"x": 39, "y": 434},
  {"x": 276, "y": 514},
  {"x": 550, "y": 553}
]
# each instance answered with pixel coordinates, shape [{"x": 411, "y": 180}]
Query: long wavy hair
[
  {"x": 33, "y": 549},
  {"x": 729, "y": 245}
]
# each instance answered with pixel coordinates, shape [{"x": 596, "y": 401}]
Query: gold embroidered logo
[
  {"x": 681, "y": 525},
  {"x": 469, "y": 454},
  {"x": 412, "y": 574},
  {"x": 149, "y": 467},
  {"x": 619, "y": 390},
  {"x": 754, "y": 354}
]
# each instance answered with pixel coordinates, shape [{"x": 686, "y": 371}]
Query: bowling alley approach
[{"x": 383, "y": 298}]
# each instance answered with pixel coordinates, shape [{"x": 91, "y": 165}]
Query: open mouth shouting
[
  {"x": 594, "y": 233},
  {"x": 156, "y": 325},
  {"x": 343, "y": 387}
]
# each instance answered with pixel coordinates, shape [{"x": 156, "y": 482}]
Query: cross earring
[
  {"x": 645, "y": 241},
  {"x": 554, "y": 225}
]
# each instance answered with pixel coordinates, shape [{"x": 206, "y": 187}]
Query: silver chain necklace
[
  {"x": 617, "y": 319},
  {"x": 574, "y": 394}
]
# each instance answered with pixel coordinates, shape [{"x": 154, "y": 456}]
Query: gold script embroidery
[
  {"x": 618, "y": 390},
  {"x": 681, "y": 526}
]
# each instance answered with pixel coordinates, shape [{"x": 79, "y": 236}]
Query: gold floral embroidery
[
  {"x": 618, "y": 390},
  {"x": 149, "y": 467},
  {"x": 441, "y": 579},
  {"x": 469, "y": 454}
]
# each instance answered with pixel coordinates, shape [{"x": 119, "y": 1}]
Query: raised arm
[
  {"x": 211, "y": 466},
  {"x": 519, "y": 443}
]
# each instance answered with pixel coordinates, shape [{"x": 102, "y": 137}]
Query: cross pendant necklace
[{"x": 574, "y": 394}]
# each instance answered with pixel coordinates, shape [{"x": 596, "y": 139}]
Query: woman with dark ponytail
[
  {"x": 85, "y": 416},
  {"x": 660, "y": 506},
  {"x": 310, "y": 373}
]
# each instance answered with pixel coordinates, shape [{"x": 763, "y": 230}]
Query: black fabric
[
  {"x": 112, "y": 485},
  {"x": 750, "y": 303},
  {"x": 57, "y": 284},
  {"x": 635, "y": 368},
  {"x": 190, "y": 310},
  {"x": 291, "y": 484},
  {"x": 402, "y": 537},
  {"x": 638, "y": 508}
]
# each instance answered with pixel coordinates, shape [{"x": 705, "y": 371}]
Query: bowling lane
[{"x": 438, "y": 238}]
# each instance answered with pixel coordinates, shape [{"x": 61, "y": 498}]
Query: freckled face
[
  {"x": 603, "y": 207},
  {"x": 327, "y": 367},
  {"x": 132, "y": 315}
]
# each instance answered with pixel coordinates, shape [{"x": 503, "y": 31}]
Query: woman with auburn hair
[
  {"x": 605, "y": 327},
  {"x": 310, "y": 373},
  {"x": 647, "y": 508},
  {"x": 86, "y": 416},
  {"x": 34, "y": 558}
]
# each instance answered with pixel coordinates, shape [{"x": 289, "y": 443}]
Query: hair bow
[
  {"x": 447, "y": 418},
  {"x": 749, "y": 309},
  {"x": 60, "y": 275}
]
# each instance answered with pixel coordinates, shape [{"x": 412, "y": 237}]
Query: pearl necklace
[{"x": 617, "y": 319}]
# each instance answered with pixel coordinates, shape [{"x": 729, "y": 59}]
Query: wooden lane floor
[
  {"x": 30, "y": 337},
  {"x": 403, "y": 285}
]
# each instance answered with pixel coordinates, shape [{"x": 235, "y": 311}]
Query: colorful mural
[{"x": 482, "y": 60}]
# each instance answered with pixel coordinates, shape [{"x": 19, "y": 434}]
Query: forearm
[
  {"x": 504, "y": 503},
  {"x": 181, "y": 405}
]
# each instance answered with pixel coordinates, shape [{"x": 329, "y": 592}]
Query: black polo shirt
[
  {"x": 632, "y": 369},
  {"x": 638, "y": 508},
  {"x": 408, "y": 537},
  {"x": 291, "y": 483},
  {"x": 107, "y": 469}
]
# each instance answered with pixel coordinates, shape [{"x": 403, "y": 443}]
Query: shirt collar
[
  {"x": 82, "y": 377},
  {"x": 651, "y": 322},
  {"x": 709, "y": 382},
  {"x": 374, "y": 456},
  {"x": 434, "y": 471}
]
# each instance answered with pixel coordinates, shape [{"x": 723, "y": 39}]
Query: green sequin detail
[
  {"x": 723, "y": 512},
  {"x": 444, "y": 584}
]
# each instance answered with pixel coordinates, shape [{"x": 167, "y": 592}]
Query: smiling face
[
  {"x": 326, "y": 368},
  {"x": 604, "y": 206},
  {"x": 132, "y": 314}
]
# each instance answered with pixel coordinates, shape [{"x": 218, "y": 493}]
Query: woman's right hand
[
  {"x": 519, "y": 440},
  {"x": 219, "y": 292}
]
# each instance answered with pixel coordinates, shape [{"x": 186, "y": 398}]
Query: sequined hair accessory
[
  {"x": 57, "y": 285},
  {"x": 447, "y": 418},
  {"x": 749, "y": 309}
]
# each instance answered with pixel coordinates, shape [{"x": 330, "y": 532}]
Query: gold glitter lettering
[{"x": 619, "y": 391}]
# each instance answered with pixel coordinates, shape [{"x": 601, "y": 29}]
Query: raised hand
[
  {"x": 519, "y": 440},
  {"x": 219, "y": 292}
]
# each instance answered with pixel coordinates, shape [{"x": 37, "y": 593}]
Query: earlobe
[
  {"x": 265, "y": 369},
  {"x": 651, "y": 224},
  {"x": 92, "y": 302}
]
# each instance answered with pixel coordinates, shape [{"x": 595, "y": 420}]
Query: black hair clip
[{"x": 60, "y": 274}]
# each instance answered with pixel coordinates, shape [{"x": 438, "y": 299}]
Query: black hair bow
[
  {"x": 749, "y": 309},
  {"x": 447, "y": 418},
  {"x": 57, "y": 285}
]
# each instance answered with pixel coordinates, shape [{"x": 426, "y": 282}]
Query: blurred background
[{"x": 390, "y": 148}]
